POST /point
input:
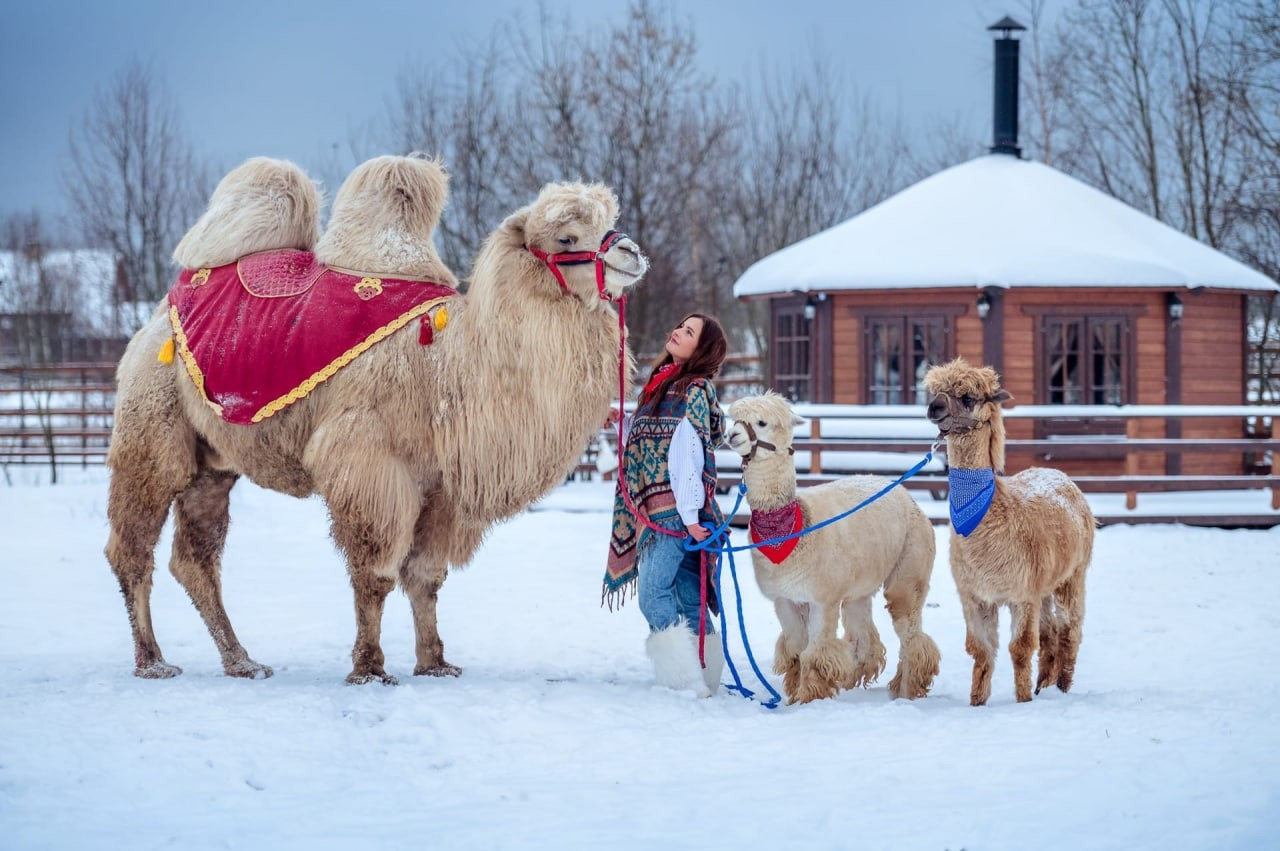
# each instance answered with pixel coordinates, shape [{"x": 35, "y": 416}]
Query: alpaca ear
[
  {"x": 1001, "y": 395},
  {"x": 797, "y": 420}
]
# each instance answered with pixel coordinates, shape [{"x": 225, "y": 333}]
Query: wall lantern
[
  {"x": 1175, "y": 306},
  {"x": 984, "y": 305},
  {"x": 811, "y": 305}
]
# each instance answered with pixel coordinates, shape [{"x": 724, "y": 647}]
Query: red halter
[{"x": 575, "y": 258}]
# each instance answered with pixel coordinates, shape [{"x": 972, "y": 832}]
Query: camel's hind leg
[
  {"x": 200, "y": 532},
  {"x": 826, "y": 661},
  {"x": 136, "y": 510},
  {"x": 794, "y": 618},
  {"x": 865, "y": 645},
  {"x": 918, "y": 655},
  {"x": 1024, "y": 638},
  {"x": 981, "y": 623}
]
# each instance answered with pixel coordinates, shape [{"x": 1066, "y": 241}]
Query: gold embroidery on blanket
[
  {"x": 199, "y": 277},
  {"x": 316, "y": 378},
  {"x": 189, "y": 360},
  {"x": 368, "y": 288}
]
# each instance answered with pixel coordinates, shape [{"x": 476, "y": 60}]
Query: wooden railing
[{"x": 56, "y": 414}]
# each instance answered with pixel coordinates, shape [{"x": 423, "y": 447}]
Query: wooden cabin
[{"x": 1073, "y": 296}]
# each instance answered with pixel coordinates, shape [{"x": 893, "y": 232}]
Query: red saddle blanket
[{"x": 259, "y": 334}]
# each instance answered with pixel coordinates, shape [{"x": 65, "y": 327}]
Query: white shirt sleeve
[{"x": 684, "y": 462}]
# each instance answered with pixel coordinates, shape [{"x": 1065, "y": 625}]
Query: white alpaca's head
[
  {"x": 576, "y": 219},
  {"x": 762, "y": 426}
]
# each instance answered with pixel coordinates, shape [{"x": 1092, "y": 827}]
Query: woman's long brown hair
[{"x": 705, "y": 362}]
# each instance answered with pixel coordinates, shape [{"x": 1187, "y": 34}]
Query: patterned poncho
[{"x": 648, "y": 481}]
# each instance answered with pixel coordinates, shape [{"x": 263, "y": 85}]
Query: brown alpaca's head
[
  {"x": 965, "y": 399},
  {"x": 569, "y": 229}
]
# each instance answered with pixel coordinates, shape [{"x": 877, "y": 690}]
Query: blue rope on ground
[{"x": 721, "y": 532}]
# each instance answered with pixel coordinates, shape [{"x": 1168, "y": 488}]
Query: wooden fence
[{"x": 63, "y": 413}]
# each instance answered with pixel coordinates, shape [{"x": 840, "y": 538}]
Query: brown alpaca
[
  {"x": 833, "y": 572},
  {"x": 416, "y": 449},
  {"x": 1029, "y": 552}
]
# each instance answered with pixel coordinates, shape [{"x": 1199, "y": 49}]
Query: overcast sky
[{"x": 294, "y": 78}]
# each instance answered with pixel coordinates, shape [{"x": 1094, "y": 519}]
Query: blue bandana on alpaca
[{"x": 970, "y": 493}]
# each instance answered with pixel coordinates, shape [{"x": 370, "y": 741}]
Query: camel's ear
[
  {"x": 605, "y": 196},
  {"x": 1002, "y": 395},
  {"x": 514, "y": 225}
]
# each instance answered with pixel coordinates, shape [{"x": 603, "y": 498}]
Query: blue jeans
[{"x": 669, "y": 585}]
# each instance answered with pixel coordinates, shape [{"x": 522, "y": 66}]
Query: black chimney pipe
[{"x": 1005, "y": 114}]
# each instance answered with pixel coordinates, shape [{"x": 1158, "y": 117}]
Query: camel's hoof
[
  {"x": 156, "y": 671},
  {"x": 248, "y": 669},
  {"x": 354, "y": 679},
  {"x": 444, "y": 669}
]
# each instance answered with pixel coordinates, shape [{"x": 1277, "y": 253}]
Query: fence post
[
  {"x": 815, "y": 454},
  {"x": 1275, "y": 468},
  {"x": 1131, "y": 462}
]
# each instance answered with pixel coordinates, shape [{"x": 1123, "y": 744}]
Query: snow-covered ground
[{"x": 555, "y": 735}]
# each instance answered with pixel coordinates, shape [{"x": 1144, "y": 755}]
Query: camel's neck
[{"x": 770, "y": 481}]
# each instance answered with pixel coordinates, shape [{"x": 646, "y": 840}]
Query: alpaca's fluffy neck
[
  {"x": 979, "y": 449},
  {"x": 770, "y": 481}
]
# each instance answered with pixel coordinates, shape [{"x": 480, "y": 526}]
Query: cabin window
[
  {"x": 1085, "y": 360},
  {"x": 793, "y": 352},
  {"x": 899, "y": 350}
]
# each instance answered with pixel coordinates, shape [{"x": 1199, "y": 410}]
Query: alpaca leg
[
  {"x": 1025, "y": 634},
  {"x": 865, "y": 646},
  {"x": 794, "y": 618},
  {"x": 826, "y": 661},
  {"x": 918, "y": 656},
  {"x": 981, "y": 622},
  {"x": 136, "y": 508},
  {"x": 1069, "y": 597},
  {"x": 1050, "y": 662},
  {"x": 374, "y": 505},
  {"x": 200, "y": 532}
]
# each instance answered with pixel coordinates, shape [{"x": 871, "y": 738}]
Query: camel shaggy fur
[
  {"x": 1029, "y": 552},
  {"x": 833, "y": 572},
  {"x": 416, "y": 449}
]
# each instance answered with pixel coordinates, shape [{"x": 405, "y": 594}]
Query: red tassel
[{"x": 425, "y": 333}]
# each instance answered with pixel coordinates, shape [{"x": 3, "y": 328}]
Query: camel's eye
[{"x": 568, "y": 241}]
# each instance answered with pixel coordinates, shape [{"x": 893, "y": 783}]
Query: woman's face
[{"x": 684, "y": 340}]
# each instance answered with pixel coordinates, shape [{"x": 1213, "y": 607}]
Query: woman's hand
[
  {"x": 698, "y": 532},
  {"x": 611, "y": 418}
]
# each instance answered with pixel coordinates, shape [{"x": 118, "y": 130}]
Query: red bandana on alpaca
[{"x": 767, "y": 525}]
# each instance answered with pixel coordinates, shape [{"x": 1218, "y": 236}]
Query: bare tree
[{"x": 135, "y": 184}]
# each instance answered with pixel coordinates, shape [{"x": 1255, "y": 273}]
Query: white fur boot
[{"x": 674, "y": 652}]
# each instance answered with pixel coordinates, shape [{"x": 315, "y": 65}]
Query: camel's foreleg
[
  {"x": 373, "y": 504},
  {"x": 423, "y": 573},
  {"x": 981, "y": 622},
  {"x": 200, "y": 533}
]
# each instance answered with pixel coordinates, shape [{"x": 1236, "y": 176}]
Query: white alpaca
[
  {"x": 1030, "y": 549},
  {"x": 834, "y": 571}
]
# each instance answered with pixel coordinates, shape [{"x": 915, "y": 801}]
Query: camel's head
[
  {"x": 762, "y": 425},
  {"x": 384, "y": 220},
  {"x": 569, "y": 228},
  {"x": 964, "y": 397},
  {"x": 261, "y": 204}
]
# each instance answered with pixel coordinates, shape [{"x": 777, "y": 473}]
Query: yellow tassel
[
  {"x": 166, "y": 352},
  {"x": 440, "y": 319}
]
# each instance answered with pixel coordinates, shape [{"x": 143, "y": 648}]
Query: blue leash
[{"x": 717, "y": 533}]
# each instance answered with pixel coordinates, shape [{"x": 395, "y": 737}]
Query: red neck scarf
[
  {"x": 767, "y": 525},
  {"x": 658, "y": 378}
]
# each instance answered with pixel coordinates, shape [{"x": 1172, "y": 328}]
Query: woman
[{"x": 667, "y": 479}]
